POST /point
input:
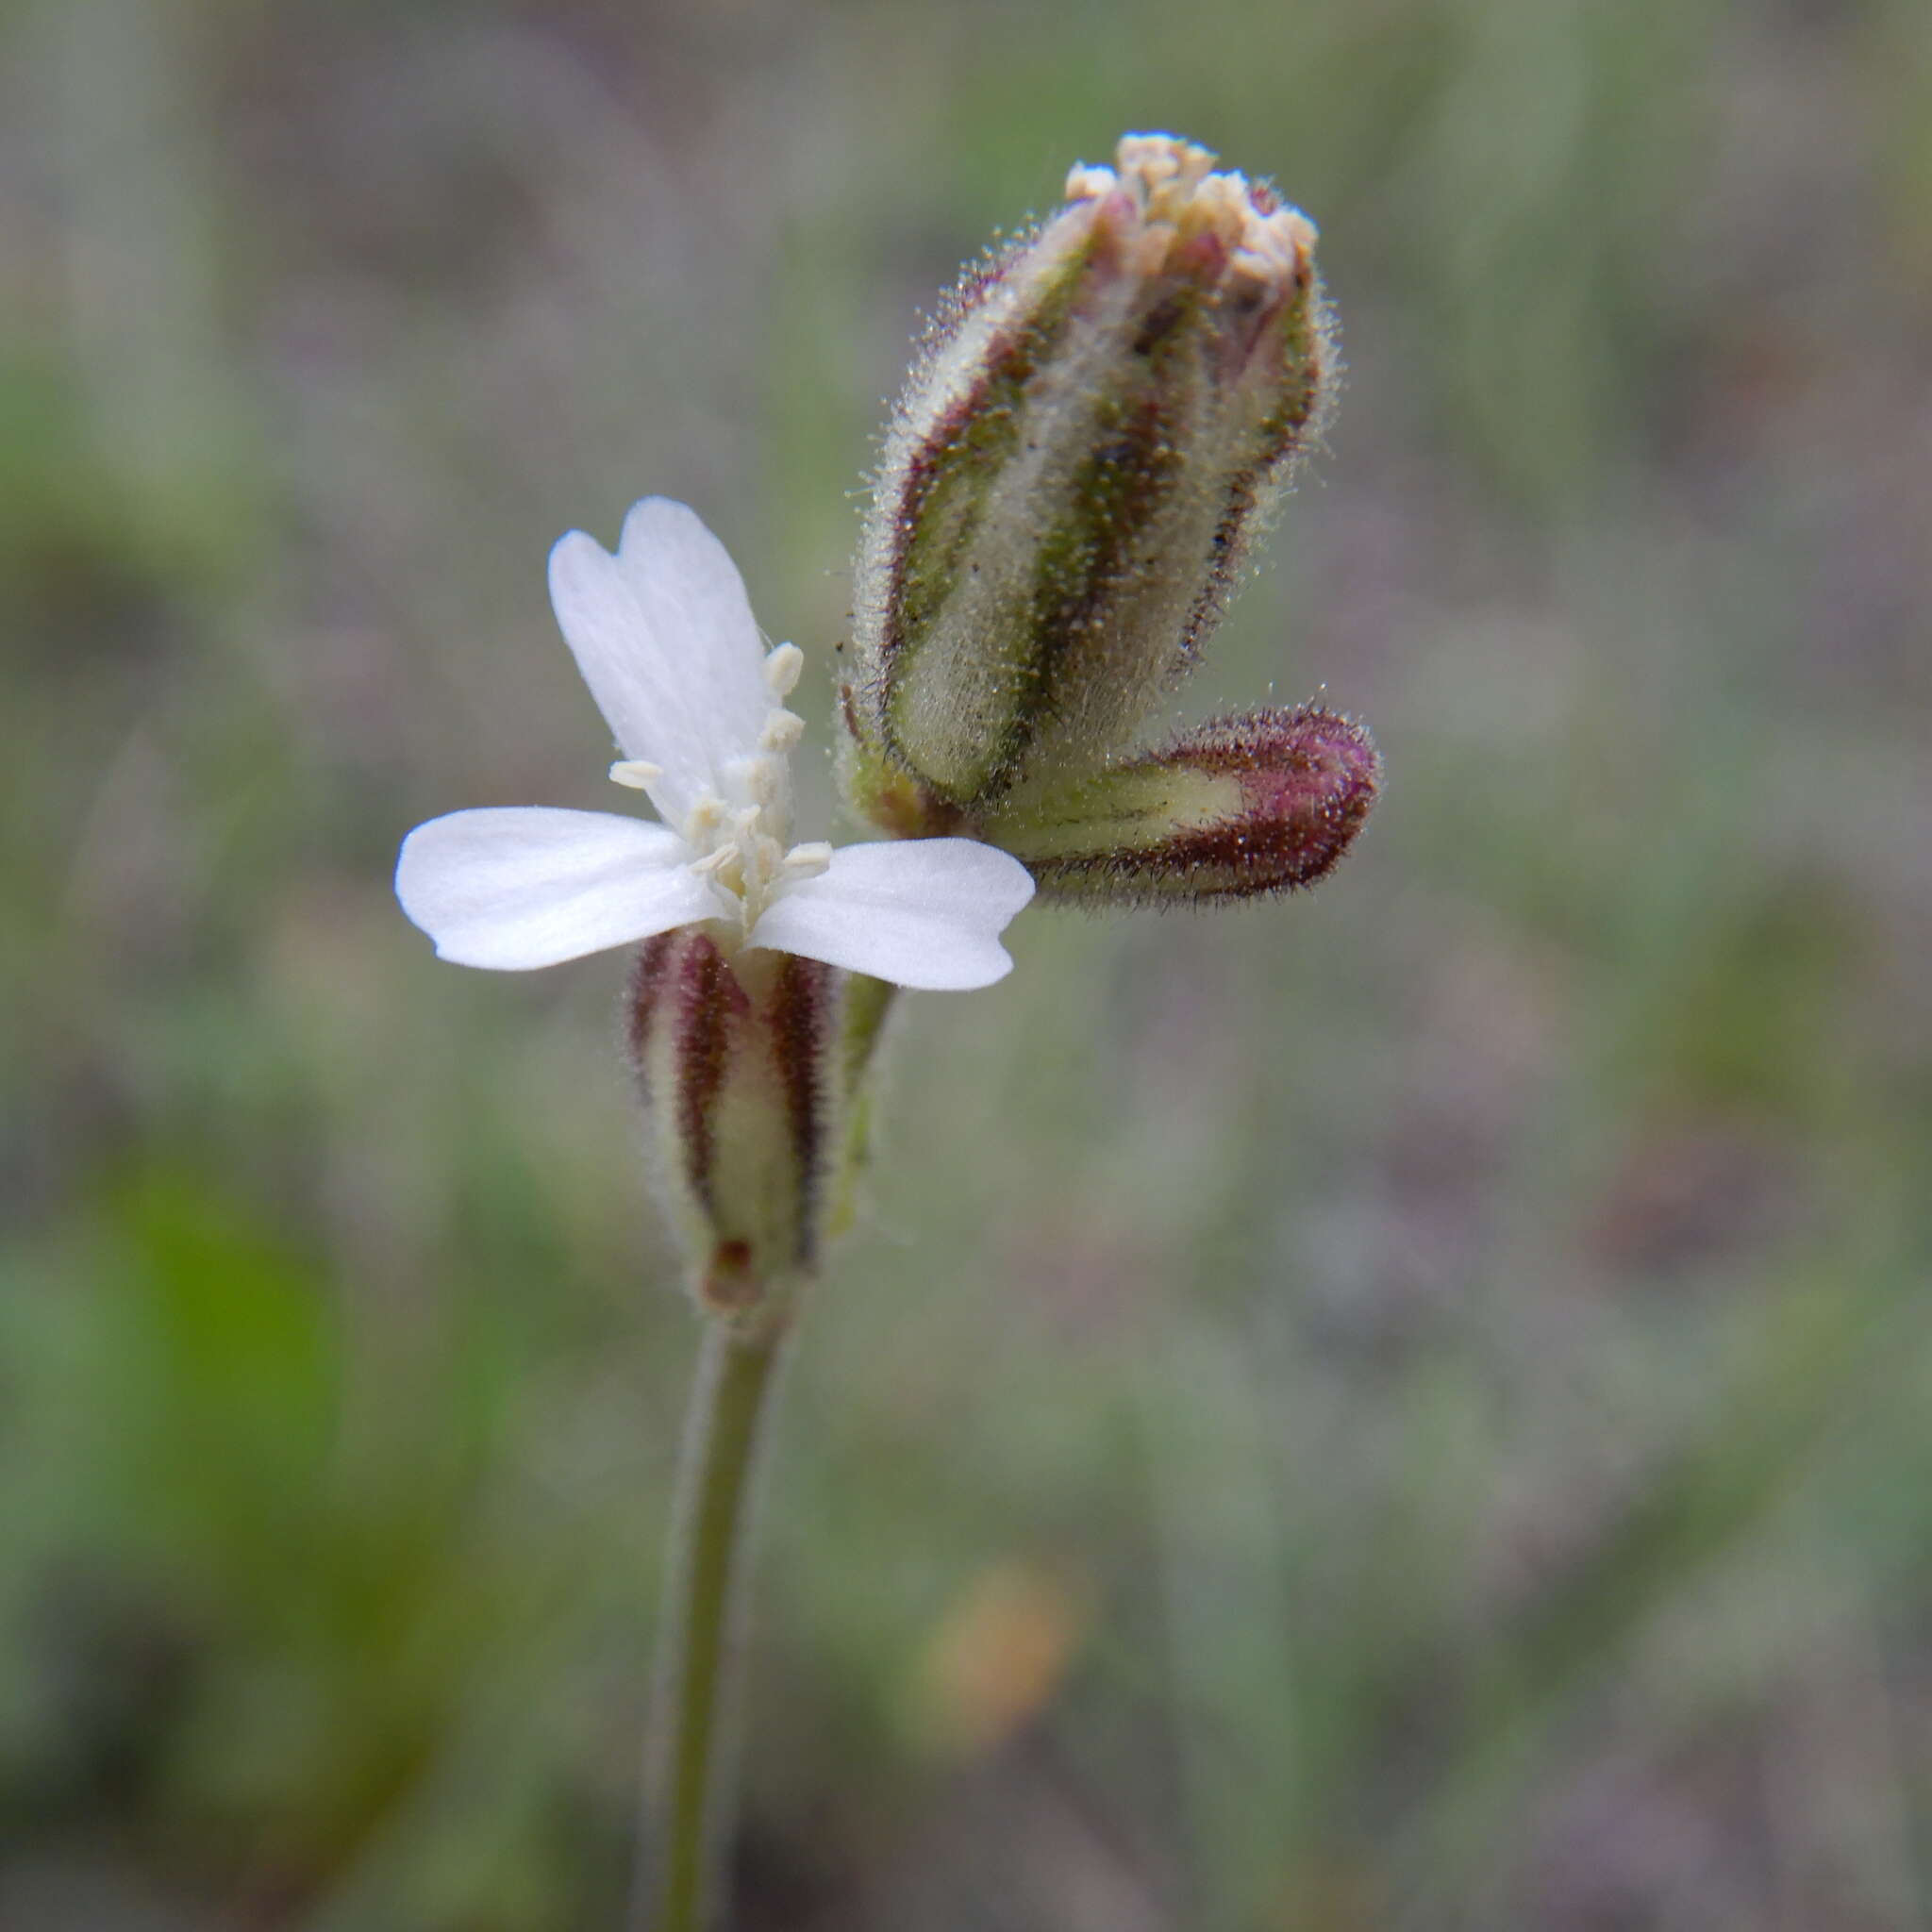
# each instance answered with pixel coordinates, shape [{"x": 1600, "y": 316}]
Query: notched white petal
[
  {"x": 663, "y": 634},
  {"x": 920, "y": 912},
  {"x": 694, "y": 601},
  {"x": 519, "y": 887},
  {"x": 632, "y": 668}
]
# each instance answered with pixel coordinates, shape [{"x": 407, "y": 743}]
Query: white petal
[
  {"x": 664, "y": 637},
  {"x": 526, "y": 886},
  {"x": 920, "y": 912},
  {"x": 629, "y": 671},
  {"x": 693, "y": 596}
]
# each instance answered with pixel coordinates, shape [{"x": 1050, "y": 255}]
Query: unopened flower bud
[
  {"x": 1244, "y": 805},
  {"x": 1071, "y": 479},
  {"x": 743, "y": 1073}
]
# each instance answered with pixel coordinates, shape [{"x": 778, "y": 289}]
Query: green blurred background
[{"x": 1407, "y": 1409}]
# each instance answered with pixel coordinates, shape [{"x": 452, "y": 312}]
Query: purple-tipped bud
[
  {"x": 1072, "y": 477},
  {"x": 1246, "y": 805},
  {"x": 744, "y": 1073}
]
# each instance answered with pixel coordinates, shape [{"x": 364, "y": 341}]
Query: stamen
[
  {"x": 782, "y": 668},
  {"x": 760, "y": 779},
  {"x": 714, "y": 860},
  {"x": 766, "y": 780},
  {"x": 783, "y": 729},
  {"x": 808, "y": 860},
  {"x": 640, "y": 775}
]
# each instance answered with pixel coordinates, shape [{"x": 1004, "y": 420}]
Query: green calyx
[{"x": 1250, "y": 805}]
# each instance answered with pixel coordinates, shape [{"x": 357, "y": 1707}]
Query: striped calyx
[
  {"x": 748, "y": 1065},
  {"x": 1071, "y": 479},
  {"x": 1248, "y": 804}
]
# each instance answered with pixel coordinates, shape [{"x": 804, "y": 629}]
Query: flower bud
[
  {"x": 743, "y": 1070},
  {"x": 1088, "y": 441},
  {"x": 1246, "y": 805}
]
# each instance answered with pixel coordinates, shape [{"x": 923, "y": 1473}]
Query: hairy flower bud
[
  {"x": 746, "y": 1064},
  {"x": 1095, "y": 425},
  {"x": 1246, "y": 805}
]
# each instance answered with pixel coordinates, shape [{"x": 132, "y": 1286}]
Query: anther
[
  {"x": 782, "y": 731},
  {"x": 808, "y": 860},
  {"x": 640, "y": 775},
  {"x": 782, "y": 668},
  {"x": 765, "y": 780},
  {"x": 760, "y": 779}
]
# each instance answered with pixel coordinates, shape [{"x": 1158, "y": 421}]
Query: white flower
[{"x": 664, "y": 637}]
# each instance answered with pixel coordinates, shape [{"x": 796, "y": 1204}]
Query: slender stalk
[{"x": 689, "y": 1797}]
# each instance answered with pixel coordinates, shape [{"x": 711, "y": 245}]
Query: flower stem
[{"x": 688, "y": 1795}]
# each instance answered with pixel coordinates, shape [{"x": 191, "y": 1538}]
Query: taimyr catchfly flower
[{"x": 664, "y": 637}]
